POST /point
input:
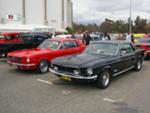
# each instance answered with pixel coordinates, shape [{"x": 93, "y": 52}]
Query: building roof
[{"x": 23, "y": 28}]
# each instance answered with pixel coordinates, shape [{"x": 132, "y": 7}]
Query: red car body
[
  {"x": 144, "y": 44},
  {"x": 10, "y": 37},
  {"x": 31, "y": 58}
]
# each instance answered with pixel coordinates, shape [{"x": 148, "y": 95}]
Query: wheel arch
[
  {"x": 107, "y": 68},
  {"x": 45, "y": 58}
]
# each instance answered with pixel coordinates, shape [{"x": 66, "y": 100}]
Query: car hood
[
  {"x": 29, "y": 52},
  {"x": 82, "y": 60}
]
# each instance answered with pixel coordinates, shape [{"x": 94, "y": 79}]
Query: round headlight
[
  {"x": 89, "y": 71},
  {"x": 76, "y": 72},
  {"x": 55, "y": 68},
  {"x": 28, "y": 59}
]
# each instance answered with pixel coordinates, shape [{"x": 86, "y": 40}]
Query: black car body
[
  {"x": 99, "y": 62},
  {"x": 29, "y": 40}
]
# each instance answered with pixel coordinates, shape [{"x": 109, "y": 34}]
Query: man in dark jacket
[{"x": 86, "y": 38}]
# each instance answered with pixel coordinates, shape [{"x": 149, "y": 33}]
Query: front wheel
[
  {"x": 138, "y": 65},
  {"x": 103, "y": 81},
  {"x": 43, "y": 66}
]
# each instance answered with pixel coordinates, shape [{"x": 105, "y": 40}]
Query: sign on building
[{"x": 12, "y": 18}]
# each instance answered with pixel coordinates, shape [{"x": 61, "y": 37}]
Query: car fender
[{"x": 105, "y": 68}]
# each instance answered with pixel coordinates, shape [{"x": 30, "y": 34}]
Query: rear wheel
[
  {"x": 103, "y": 81},
  {"x": 43, "y": 66}
]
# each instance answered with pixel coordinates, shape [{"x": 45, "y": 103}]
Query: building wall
[
  {"x": 68, "y": 13},
  {"x": 58, "y": 12},
  {"x": 34, "y": 12},
  {"x": 54, "y": 13},
  {"x": 10, "y": 7}
]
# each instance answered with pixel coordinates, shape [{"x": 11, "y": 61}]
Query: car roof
[{"x": 111, "y": 42}]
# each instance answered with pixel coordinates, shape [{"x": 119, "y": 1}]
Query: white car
[{"x": 63, "y": 36}]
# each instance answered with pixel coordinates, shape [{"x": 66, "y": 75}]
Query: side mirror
[{"x": 123, "y": 52}]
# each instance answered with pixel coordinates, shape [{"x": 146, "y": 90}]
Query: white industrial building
[{"x": 53, "y": 14}]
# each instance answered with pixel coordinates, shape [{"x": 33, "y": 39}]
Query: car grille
[
  {"x": 66, "y": 69},
  {"x": 15, "y": 59}
]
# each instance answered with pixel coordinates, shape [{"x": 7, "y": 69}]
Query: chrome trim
[
  {"x": 123, "y": 71},
  {"x": 18, "y": 64},
  {"x": 75, "y": 77}
]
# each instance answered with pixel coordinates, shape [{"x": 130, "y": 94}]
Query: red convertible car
[
  {"x": 40, "y": 57},
  {"x": 10, "y": 37}
]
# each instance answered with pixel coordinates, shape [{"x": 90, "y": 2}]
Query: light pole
[
  {"x": 130, "y": 21},
  {"x": 45, "y": 12},
  {"x": 24, "y": 11}
]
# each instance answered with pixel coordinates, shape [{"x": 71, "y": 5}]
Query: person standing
[
  {"x": 86, "y": 38},
  {"x": 132, "y": 38},
  {"x": 107, "y": 37}
]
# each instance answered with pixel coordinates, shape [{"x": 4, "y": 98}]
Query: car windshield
[
  {"x": 1, "y": 37},
  {"x": 50, "y": 44},
  {"x": 144, "y": 41},
  {"x": 102, "y": 48}
]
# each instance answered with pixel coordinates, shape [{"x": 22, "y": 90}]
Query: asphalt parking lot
[{"x": 29, "y": 92}]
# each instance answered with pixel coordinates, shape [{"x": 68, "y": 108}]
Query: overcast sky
[{"x": 95, "y": 11}]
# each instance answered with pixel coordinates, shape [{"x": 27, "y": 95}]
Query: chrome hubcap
[
  {"x": 139, "y": 64},
  {"x": 43, "y": 66},
  {"x": 106, "y": 78}
]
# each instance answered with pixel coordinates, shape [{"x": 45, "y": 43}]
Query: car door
[
  {"x": 127, "y": 56},
  {"x": 69, "y": 47}
]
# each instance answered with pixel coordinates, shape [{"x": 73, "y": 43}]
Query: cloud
[{"x": 95, "y": 11}]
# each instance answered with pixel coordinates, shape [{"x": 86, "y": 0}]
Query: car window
[
  {"x": 70, "y": 44},
  {"x": 1, "y": 37},
  {"x": 127, "y": 48},
  {"x": 40, "y": 38},
  {"x": 27, "y": 37},
  {"x": 10, "y": 37},
  {"x": 17, "y": 36},
  {"x": 144, "y": 41},
  {"x": 50, "y": 44}
]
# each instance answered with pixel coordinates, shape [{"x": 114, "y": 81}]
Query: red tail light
[{"x": 144, "y": 46}]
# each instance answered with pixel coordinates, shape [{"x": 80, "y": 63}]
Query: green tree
[{"x": 69, "y": 30}]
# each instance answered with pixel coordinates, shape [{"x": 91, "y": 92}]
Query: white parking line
[
  {"x": 110, "y": 100},
  {"x": 44, "y": 81}
]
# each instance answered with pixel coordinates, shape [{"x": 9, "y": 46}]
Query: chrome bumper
[
  {"x": 19, "y": 64},
  {"x": 75, "y": 77}
]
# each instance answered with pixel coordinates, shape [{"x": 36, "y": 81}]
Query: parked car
[
  {"x": 100, "y": 62},
  {"x": 7, "y": 39},
  {"x": 138, "y": 36},
  {"x": 95, "y": 37},
  {"x": 10, "y": 37},
  {"x": 40, "y": 57},
  {"x": 62, "y": 36},
  {"x": 17, "y": 41},
  {"x": 144, "y": 44}
]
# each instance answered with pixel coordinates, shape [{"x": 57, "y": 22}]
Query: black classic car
[{"x": 100, "y": 62}]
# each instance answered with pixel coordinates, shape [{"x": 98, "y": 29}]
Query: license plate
[{"x": 66, "y": 78}]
